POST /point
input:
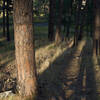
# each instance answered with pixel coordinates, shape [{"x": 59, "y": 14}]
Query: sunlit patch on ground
[{"x": 46, "y": 55}]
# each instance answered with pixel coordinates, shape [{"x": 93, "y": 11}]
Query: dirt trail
[{"x": 71, "y": 76}]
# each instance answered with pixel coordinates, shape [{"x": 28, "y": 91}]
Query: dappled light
[{"x": 46, "y": 55}]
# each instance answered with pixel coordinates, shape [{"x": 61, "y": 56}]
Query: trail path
[{"x": 73, "y": 76}]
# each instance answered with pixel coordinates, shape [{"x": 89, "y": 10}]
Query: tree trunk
[
  {"x": 69, "y": 20},
  {"x": 4, "y": 18},
  {"x": 51, "y": 20},
  {"x": 8, "y": 34},
  {"x": 96, "y": 41},
  {"x": 24, "y": 44},
  {"x": 69, "y": 24},
  {"x": 82, "y": 23},
  {"x": 77, "y": 21},
  {"x": 59, "y": 23}
]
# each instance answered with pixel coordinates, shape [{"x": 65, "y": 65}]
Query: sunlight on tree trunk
[
  {"x": 58, "y": 37},
  {"x": 24, "y": 44}
]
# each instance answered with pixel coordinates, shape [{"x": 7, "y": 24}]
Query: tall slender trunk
[
  {"x": 8, "y": 34},
  {"x": 4, "y": 31},
  {"x": 24, "y": 45},
  {"x": 51, "y": 20},
  {"x": 96, "y": 41},
  {"x": 69, "y": 20},
  {"x": 68, "y": 24},
  {"x": 58, "y": 37},
  {"x": 76, "y": 28},
  {"x": 82, "y": 23},
  {"x": 77, "y": 21}
]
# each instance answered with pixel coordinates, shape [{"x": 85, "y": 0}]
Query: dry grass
[
  {"x": 46, "y": 55},
  {"x": 16, "y": 98}
]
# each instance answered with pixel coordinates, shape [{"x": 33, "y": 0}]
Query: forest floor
[
  {"x": 64, "y": 73},
  {"x": 74, "y": 75}
]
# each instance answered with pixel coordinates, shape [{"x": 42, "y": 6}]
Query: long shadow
[
  {"x": 51, "y": 81},
  {"x": 86, "y": 83},
  {"x": 91, "y": 89}
]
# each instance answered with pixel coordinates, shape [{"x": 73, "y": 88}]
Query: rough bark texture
[{"x": 24, "y": 44}]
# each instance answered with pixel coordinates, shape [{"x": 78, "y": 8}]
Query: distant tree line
[
  {"x": 71, "y": 13},
  {"x": 5, "y": 9}
]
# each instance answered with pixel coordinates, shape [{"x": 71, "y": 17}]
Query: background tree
[
  {"x": 77, "y": 20},
  {"x": 68, "y": 7},
  {"x": 51, "y": 19},
  {"x": 96, "y": 40},
  {"x": 58, "y": 37},
  {"x": 7, "y": 20},
  {"x": 4, "y": 24}
]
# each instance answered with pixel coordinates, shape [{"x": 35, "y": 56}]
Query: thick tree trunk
[
  {"x": 8, "y": 34},
  {"x": 4, "y": 26},
  {"x": 24, "y": 44}
]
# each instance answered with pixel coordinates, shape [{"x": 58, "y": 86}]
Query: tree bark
[
  {"x": 96, "y": 42},
  {"x": 82, "y": 23},
  {"x": 69, "y": 20},
  {"x": 51, "y": 20},
  {"x": 24, "y": 45},
  {"x": 8, "y": 34},
  {"x": 4, "y": 18},
  {"x": 58, "y": 37},
  {"x": 77, "y": 21},
  {"x": 69, "y": 24}
]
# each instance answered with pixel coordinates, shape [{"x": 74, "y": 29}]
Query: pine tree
[{"x": 24, "y": 44}]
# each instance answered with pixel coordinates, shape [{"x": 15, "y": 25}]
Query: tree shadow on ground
[
  {"x": 82, "y": 87},
  {"x": 86, "y": 82},
  {"x": 85, "y": 86},
  {"x": 51, "y": 82}
]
